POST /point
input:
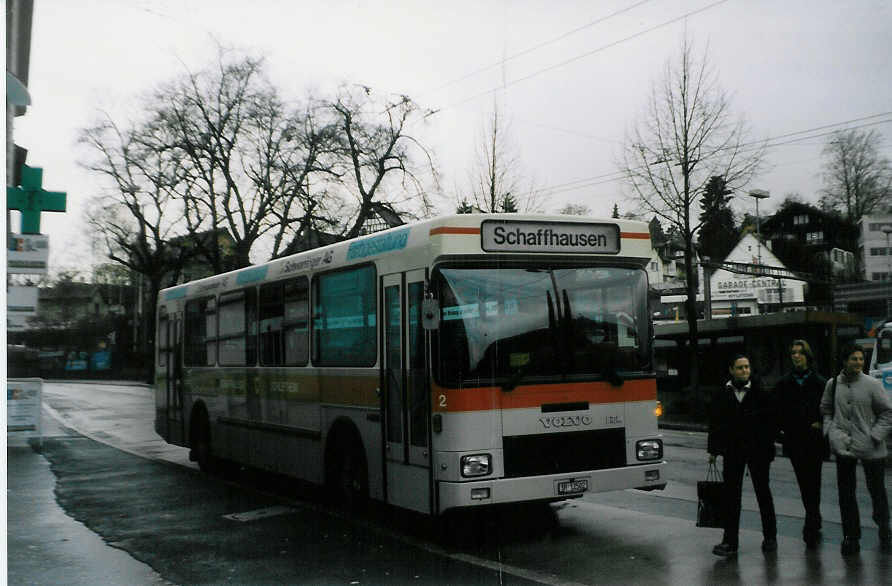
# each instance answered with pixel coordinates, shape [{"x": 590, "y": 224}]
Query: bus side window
[
  {"x": 162, "y": 336},
  {"x": 344, "y": 310},
  {"x": 201, "y": 332},
  {"x": 272, "y": 310},
  {"x": 296, "y": 322},
  {"x": 238, "y": 328}
]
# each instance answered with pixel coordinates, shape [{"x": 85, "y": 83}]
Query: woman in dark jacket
[
  {"x": 742, "y": 430},
  {"x": 799, "y": 415}
]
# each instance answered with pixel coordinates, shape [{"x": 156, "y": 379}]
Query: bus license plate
[{"x": 572, "y": 486}]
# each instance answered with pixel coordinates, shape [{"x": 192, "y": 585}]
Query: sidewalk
[{"x": 46, "y": 546}]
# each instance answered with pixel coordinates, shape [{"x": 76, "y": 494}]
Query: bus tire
[
  {"x": 347, "y": 474},
  {"x": 200, "y": 440}
]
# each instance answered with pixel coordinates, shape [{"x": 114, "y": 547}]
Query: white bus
[{"x": 463, "y": 361}]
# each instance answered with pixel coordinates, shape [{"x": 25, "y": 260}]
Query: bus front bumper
[{"x": 551, "y": 487}]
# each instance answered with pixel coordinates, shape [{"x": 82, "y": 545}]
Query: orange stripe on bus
[
  {"x": 486, "y": 398},
  {"x": 636, "y": 235},
  {"x": 453, "y": 230}
]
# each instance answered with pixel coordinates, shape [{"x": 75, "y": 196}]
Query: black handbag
[{"x": 710, "y": 494}]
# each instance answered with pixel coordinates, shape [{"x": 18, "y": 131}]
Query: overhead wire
[
  {"x": 746, "y": 147},
  {"x": 541, "y": 45},
  {"x": 538, "y": 72}
]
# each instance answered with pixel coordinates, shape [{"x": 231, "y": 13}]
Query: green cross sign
[{"x": 31, "y": 199}]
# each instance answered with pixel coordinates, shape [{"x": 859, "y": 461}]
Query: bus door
[
  {"x": 175, "y": 423},
  {"x": 406, "y": 397}
]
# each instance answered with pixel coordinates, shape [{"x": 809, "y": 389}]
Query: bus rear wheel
[{"x": 348, "y": 478}]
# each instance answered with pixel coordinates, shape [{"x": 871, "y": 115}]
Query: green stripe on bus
[
  {"x": 378, "y": 244},
  {"x": 251, "y": 275}
]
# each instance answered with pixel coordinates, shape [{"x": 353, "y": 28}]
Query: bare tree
[
  {"x": 857, "y": 180},
  {"x": 303, "y": 157},
  {"x": 496, "y": 182},
  {"x": 382, "y": 168},
  {"x": 686, "y": 136},
  {"x": 138, "y": 214},
  {"x": 247, "y": 156}
]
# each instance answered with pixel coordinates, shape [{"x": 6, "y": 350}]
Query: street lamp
[{"x": 758, "y": 194}]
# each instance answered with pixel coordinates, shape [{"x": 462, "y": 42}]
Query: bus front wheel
[
  {"x": 201, "y": 444},
  {"x": 348, "y": 478}
]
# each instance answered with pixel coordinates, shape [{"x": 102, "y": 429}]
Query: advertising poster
[
  {"x": 23, "y": 407},
  {"x": 27, "y": 254},
  {"x": 21, "y": 304}
]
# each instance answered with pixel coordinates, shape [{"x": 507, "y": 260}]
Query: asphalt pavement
[
  {"x": 79, "y": 511},
  {"x": 47, "y": 545},
  {"x": 43, "y": 544}
]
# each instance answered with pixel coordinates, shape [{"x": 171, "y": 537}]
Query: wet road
[{"x": 166, "y": 514}]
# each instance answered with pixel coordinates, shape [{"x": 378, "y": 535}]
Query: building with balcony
[{"x": 807, "y": 239}]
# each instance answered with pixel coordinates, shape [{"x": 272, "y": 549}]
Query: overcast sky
[{"x": 568, "y": 88}]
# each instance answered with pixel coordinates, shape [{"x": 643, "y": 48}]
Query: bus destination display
[{"x": 555, "y": 237}]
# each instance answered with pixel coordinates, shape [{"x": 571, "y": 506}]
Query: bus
[{"x": 457, "y": 362}]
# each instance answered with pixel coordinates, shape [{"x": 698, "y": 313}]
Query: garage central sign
[{"x": 557, "y": 237}]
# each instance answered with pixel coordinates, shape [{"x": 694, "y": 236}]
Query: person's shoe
[
  {"x": 850, "y": 546},
  {"x": 886, "y": 540},
  {"x": 725, "y": 550},
  {"x": 811, "y": 538},
  {"x": 769, "y": 544}
]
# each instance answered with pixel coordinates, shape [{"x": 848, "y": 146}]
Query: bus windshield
[{"x": 537, "y": 324}]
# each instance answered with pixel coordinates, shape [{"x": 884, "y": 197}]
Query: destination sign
[{"x": 515, "y": 236}]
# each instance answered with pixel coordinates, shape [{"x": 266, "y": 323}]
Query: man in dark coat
[
  {"x": 742, "y": 430},
  {"x": 799, "y": 415}
]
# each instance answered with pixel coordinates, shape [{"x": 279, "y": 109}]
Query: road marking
[{"x": 258, "y": 514}]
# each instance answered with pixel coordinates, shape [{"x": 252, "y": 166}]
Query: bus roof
[{"x": 460, "y": 234}]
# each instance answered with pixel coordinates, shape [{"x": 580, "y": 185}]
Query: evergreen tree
[
  {"x": 464, "y": 207},
  {"x": 509, "y": 204},
  {"x": 657, "y": 236},
  {"x": 615, "y": 214},
  {"x": 718, "y": 234}
]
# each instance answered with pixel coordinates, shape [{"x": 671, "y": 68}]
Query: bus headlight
[
  {"x": 476, "y": 465},
  {"x": 650, "y": 449}
]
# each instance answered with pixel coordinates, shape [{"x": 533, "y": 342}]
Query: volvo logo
[{"x": 565, "y": 421}]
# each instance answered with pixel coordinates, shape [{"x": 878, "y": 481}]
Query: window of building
[
  {"x": 800, "y": 219},
  {"x": 879, "y": 276},
  {"x": 344, "y": 309},
  {"x": 238, "y": 328},
  {"x": 200, "y": 332},
  {"x": 814, "y": 237},
  {"x": 654, "y": 265},
  {"x": 878, "y": 251},
  {"x": 878, "y": 226},
  {"x": 284, "y": 321}
]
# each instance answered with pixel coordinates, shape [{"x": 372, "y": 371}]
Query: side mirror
[{"x": 430, "y": 314}]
